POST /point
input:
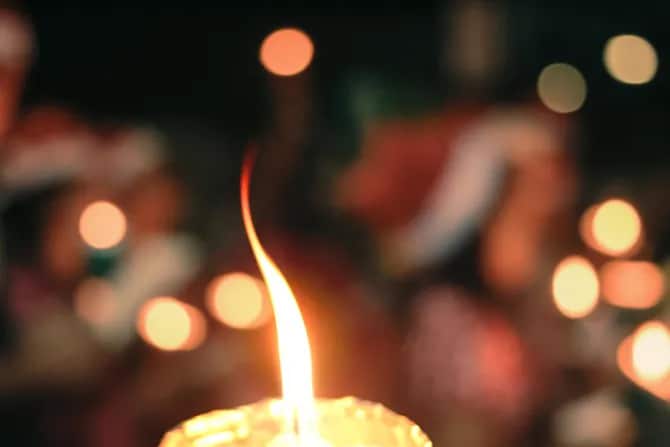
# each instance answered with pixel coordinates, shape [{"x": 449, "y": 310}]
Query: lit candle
[{"x": 298, "y": 419}]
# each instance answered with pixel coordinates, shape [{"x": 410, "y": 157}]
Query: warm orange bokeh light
[
  {"x": 632, "y": 284},
  {"x": 630, "y": 59},
  {"x": 170, "y": 325},
  {"x": 286, "y": 52},
  {"x": 575, "y": 287},
  {"x": 239, "y": 301},
  {"x": 95, "y": 301},
  {"x": 651, "y": 351},
  {"x": 102, "y": 225},
  {"x": 617, "y": 227},
  {"x": 562, "y": 88},
  {"x": 659, "y": 387},
  {"x": 295, "y": 357}
]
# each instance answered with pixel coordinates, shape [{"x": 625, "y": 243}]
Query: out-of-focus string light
[
  {"x": 617, "y": 227},
  {"x": 653, "y": 380},
  {"x": 102, "y": 225},
  {"x": 632, "y": 284},
  {"x": 95, "y": 301},
  {"x": 651, "y": 351},
  {"x": 171, "y": 325},
  {"x": 630, "y": 59},
  {"x": 286, "y": 52},
  {"x": 575, "y": 287},
  {"x": 562, "y": 88},
  {"x": 239, "y": 301}
]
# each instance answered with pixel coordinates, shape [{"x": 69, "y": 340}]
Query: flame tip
[
  {"x": 294, "y": 351},
  {"x": 248, "y": 163}
]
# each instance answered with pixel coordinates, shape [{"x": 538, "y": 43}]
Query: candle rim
[{"x": 219, "y": 427}]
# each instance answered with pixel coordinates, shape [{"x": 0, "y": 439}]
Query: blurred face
[{"x": 154, "y": 204}]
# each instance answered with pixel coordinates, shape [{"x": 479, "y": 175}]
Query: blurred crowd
[{"x": 449, "y": 262}]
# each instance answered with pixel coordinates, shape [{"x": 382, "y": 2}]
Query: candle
[
  {"x": 298, "y": 419},
  {"x": 345, "y": 422}
]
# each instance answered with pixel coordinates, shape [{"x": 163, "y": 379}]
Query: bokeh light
[
  {"x": 575, "y": 287},
  {"x": 651, "y": 351},
  {"x": 170, "y": 325},
  {"x": 630, "y": 59},
  {"x": 102, "y": 225},
  {"x": 562, "y": 88},
  {"x": 95, "y": 301},
  {"x": 239, "y": 301},
  {"x": 632, "y": 284},
  {"x": 286, "y": 52},
  {"x": 658, "y": 387},
  {"x": 617, "y": 227}
]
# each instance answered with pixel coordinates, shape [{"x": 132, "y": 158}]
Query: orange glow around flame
[{"x": 294, "y": 351}]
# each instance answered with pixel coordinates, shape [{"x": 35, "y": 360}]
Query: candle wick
[
  {"x": 295, "y": 422},
  {"x": 300, "y": 428}
]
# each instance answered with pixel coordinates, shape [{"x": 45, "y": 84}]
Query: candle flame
[{"x": 294, "y": 352}]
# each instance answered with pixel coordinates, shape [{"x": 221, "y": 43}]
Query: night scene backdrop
[{"x": 470, "y": 200}]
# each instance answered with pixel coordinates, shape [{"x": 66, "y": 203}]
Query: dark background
[
  {"x": 199, "y": 62},
  {"x": 192, "y": 70}
]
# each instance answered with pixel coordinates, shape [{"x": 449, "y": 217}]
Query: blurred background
[{"x": 470, "y": 199}]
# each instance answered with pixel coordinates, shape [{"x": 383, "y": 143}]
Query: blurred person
[
  {"x": 159, "y": 257},
  {"x": 55, "y": 165},
  {"x": 468, "y": 205},
  {"x": 53, "y": 354},
  {"x": 430, "y": 191}
]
